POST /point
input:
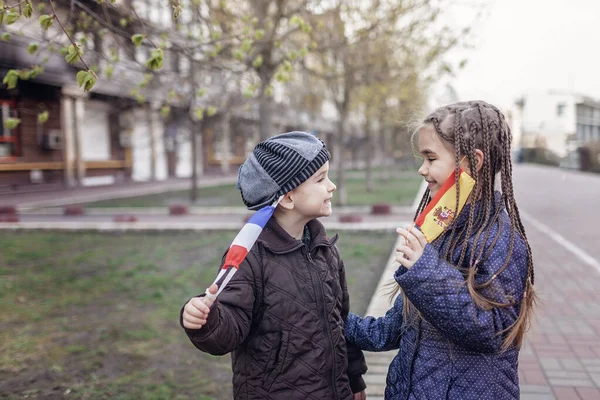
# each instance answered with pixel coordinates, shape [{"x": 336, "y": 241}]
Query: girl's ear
[
  {"x": 478, "y": 159},
  {"x": 287, "y": 202}
]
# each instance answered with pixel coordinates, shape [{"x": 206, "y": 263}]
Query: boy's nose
[{"x": 333, "y": 187}]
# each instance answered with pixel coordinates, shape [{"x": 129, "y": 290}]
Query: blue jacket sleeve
[
  {"x": 438, "y": 290},
  {"x": 376, "y": 334}
]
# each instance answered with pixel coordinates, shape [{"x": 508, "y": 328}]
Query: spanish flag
[{"x": 440, "y": 212}]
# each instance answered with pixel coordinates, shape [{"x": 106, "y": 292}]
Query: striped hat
[{"x": 278, "y": 165}]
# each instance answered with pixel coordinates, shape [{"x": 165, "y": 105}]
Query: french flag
[{"x": 242, "y": 244}]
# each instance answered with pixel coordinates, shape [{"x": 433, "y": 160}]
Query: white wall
[
  {"x": 540, "y": 118},
  {"x": 95, "y": 132}
]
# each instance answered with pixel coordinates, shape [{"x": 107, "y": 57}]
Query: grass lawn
[
  {"x": 95, "y": 316},
  {"x": 399, "y": 190}
]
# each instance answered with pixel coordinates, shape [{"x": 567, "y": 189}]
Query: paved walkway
[{"x": 60, "y": 197}]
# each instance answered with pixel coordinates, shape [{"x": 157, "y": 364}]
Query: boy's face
[{"x": 312, "y": 199}]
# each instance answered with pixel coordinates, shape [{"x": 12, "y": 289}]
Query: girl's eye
[{"x": 431, "y": 159}]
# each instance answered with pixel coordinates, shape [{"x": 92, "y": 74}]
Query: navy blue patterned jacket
[{"x": 454, "y": 350}]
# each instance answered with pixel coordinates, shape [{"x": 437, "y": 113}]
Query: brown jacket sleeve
[
  {"x": 230, "y": 318},
  {"x": 357, "y": 365}
]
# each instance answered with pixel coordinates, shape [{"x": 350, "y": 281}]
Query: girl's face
[{"x": 438, "y": 159}]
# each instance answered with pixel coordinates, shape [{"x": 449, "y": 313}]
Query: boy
[{"x": 282, "y": 315}]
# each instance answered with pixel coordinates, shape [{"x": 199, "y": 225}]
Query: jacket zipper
[{"x": 325, "y": 325}]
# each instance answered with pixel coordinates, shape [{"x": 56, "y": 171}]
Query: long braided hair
[{"x": 470, "y": 126}]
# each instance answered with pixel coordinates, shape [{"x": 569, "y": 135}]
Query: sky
[{"x": 530, "y": 45}]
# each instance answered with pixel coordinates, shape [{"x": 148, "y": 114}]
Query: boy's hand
[
  {"x": 196, "y": 310},
  {"x": 360, "y": 395},
  {"x": 412, "y": 249}
]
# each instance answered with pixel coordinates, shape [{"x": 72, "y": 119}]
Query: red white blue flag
[{"x": 241, "y": 245}]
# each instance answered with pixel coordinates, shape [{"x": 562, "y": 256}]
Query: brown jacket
[{"x": 282, "y": 318}]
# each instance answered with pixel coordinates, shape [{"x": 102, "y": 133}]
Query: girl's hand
[{"x": 412, "y": 249}]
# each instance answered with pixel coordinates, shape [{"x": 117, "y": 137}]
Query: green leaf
[
  {"x": 246, "y": 45},
  {"x": 176, "y": 11},
  {"x": 269, "y": 90},
  {"x": 258, "y": 61},
  {"x": 11, "y": 78},
  {"x": 199, "y": 113},
  {"x": 41, "y": 7},
  {"x": 238, "y": 54},
  {"x": 11, "y": 17},
  {"x": 32, "y": 48},
  {"x": 5, "y": 36},
  {"x": 11, "y": 123},
  {"x": 43, "y": 117},
  {"x": 86, "y": 79},
  {"x": 46, "y": 21},
  {"x": 281, "y": 76},
  {"x": 36, "y": 71},
  {"x": 28, "y": 9},
  {"x": 165, "y": 111},
  {"x": 146, "y": 81},
  {"x": 215, "y": 35},
  {"x": 201, "y": 92},
  {"x": 296, "y": 20},
  {"x": 211, "y": 111},
  {"x": 155, "y": 61},
  {"x": 25, "y": 74},
  {"x": 259, "y": 34},
  {"x": 123, "y": 22},
  {"x": 109, "y": 71},
  {"x": 137, "y": 39},
  {"x": 73, "y": 53}
]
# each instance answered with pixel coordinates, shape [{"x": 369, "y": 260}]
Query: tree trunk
[
  {"x": 194, "y": 144},
  {"x": 265, "y": 109},
  {"x": 369, "y": 155},
  {"x": 225, "y": 142},
  {"x": 341, "y": 188}
]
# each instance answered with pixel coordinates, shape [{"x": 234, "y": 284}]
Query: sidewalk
[{"x": 60, "y": 197}]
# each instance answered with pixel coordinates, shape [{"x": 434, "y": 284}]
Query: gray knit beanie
[{"x": 278, "y": 165}]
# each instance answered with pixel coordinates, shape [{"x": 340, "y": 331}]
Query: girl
[{"x": 466, "y": 297}]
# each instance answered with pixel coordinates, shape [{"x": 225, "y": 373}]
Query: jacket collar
[{"x": 277, "y": 240}]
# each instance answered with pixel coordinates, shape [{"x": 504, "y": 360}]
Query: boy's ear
[{"x": 287, "y": 202}]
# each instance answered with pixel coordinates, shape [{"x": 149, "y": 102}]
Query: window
[
  {"x": 560, "y": 109},
  {"x": 9, "y": 145}
]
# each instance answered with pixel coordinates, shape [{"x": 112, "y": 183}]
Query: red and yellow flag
[{"x": 440, "y": 212}]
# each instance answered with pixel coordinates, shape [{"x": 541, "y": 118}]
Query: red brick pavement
[{"x": 561, "y": 356}]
